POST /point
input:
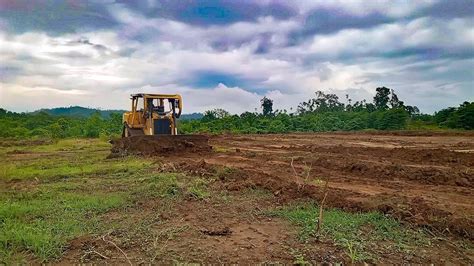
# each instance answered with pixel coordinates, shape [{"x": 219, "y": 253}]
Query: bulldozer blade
[{"x": 160, "y": 145}]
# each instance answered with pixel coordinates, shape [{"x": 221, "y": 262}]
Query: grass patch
[
  {"x": 64, "y": 159},
  {"x": 362, "y": 235},
  {"x": 221, "y": 149},
  {"x": 163, "y": 185},
  {"x": 39, "y": 218},
  {"x": 258, "y": 193},
  {"x": 41, "y": 222},
  {"x": 224, "y": 172},
  {"x": 198, "y": 188}
]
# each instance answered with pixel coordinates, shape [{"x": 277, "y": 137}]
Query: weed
[
  {"x": 160, "y": 185},
  {"x": 198, "y": 188},
  {"x": 258, "y": 193},
  {"x": 298, "y": 257},
  {"x": 220, "y": 149},
  {"x": 317, "y": 182},
  {"x": 358, "y": 233},
  {"x": 225, "y": 197},
  {"x": 223, "y": 172}
]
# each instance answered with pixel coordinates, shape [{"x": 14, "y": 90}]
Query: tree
[
  {"x": 267, "y": 106},
  {"x": 466, "y": 115},
  {"x": 442, "y": 115},
  {"x": 412, "y": 110},
  {"x": 395, "y": 102},
  {"x": 370, "y": 107},
  {"x": 217, "y": 113},
  {"x": 92, "y": 126},
  {"x": 392, "y": 119},
  {"x": 322, "y": 103},
  {"x": 381, "y": 98}
]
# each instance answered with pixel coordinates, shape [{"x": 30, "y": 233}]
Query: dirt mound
[{"x": 160, "y": 145}]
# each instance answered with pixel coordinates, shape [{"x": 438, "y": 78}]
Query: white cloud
[{"x": 101, "y": 68}]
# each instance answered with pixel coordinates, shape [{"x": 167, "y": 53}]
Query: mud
[
  {"x": 422, "y": 180},
  {"x": 160, "y": 145}
]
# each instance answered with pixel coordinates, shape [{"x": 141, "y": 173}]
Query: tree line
[
  {"x": 44, "y": 125},
  {"x": 323, "y": 112},
  {"x": 326, "y": 112}
]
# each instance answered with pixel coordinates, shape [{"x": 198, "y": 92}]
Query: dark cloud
[
  {"x": 264, "y": 44},
  {"x": 449, "y": 9},
  {"x": 55, "y": 17},
  {"x": 70, "y": 55},
  {"x": 9, "y": 72},
  {"x": 85, "y": 41},
  {"x": 329, "y": 20},
  {"x": 428, "y": 53}
]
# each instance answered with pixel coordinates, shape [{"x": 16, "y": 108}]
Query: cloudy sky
[{"x": 229, "y": 54}]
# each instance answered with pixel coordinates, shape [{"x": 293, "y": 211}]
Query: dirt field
[
  {"x": 391, "y": 198},
  {"x": 424, "y": 180}
]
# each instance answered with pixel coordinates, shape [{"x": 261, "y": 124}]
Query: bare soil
[
  {"x": 423, "y": 179},
  {"x": 159, "y": 144}
]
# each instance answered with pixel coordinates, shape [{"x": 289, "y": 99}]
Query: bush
[{"x": 392, "y": 119}]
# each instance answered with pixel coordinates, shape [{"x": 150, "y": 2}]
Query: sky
[{"x": 229, "y": 54}]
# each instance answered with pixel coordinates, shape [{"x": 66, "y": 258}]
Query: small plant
[
  {"x": 298, "y": 258},
  {"x": 198, "y": 189},
  {"x": 223, "y": 172},
  {"x": 357, "y": 233},
  {"x": 220, "y": 149},
  {"x": 304, "y": 176}
]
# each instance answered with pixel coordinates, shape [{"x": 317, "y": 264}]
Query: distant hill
[
  {"x": 79, "y": 111},
  {"x": 192, "y": 116}
]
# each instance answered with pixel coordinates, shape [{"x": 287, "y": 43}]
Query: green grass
[
  {"x": 199, "y": 188},
  {"x": 63, "y": 190},
  {"x": 43, "y": 221},
  {"x": 362, "y": 235},
  {"x": 64, "y": 159}
]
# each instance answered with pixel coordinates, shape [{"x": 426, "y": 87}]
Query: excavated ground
[
  {"x": 159, "y": 145},
  {"x": 422, "y": 179}
]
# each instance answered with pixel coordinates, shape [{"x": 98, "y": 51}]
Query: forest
[{"x": 323, "y": 112}]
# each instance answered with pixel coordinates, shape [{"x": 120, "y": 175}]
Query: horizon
[{"x": 223, "y": 54}]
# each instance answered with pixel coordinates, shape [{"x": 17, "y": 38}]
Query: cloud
[
  {"x": 449, "y": 9},
  {"x": 220, "y": 54},
  {"x": 55, "y": 17}
]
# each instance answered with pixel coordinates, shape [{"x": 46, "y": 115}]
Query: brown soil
[
  {"x": 160, "y": 145},
  {"x": 422, "y": 180}
]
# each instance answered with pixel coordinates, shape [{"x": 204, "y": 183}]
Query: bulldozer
[
  {"x": 151, "y": 128},
  {"x": 157, "y": 115}
]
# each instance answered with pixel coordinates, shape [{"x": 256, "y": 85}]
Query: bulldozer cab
[{"x": 152, "y": 114}]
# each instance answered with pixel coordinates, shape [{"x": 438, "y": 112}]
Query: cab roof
[{"x": 156, "y": 96}]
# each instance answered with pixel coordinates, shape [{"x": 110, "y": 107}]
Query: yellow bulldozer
[
  {"x": 152, "y": 114},
  {"x": 151, "y": 128}
]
